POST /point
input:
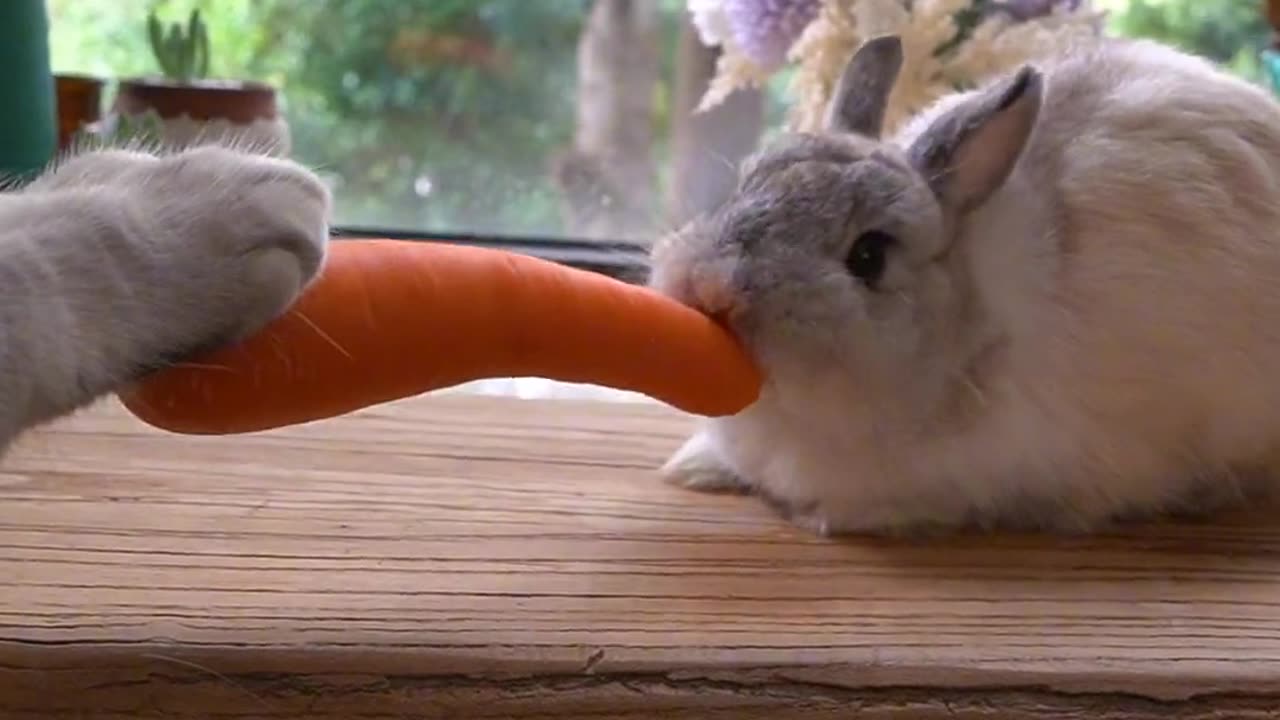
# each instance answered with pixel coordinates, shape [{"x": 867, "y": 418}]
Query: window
[
  {"x": 522, "y": 118},
  {"x": 436, "y": 117}
]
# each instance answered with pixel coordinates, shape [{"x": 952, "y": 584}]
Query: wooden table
[{"x": 468, "y": 557}]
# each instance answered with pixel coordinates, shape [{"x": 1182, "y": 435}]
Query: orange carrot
[{"x": 391, "y": 319}]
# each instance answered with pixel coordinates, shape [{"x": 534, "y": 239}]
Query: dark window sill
[{"x": 625, "y": 261}]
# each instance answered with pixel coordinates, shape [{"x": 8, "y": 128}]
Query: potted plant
[
  {"x": 79, "y": 105},
  {"x": 187, "y": 106}
]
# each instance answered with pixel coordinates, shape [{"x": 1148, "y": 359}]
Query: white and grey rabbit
[
  {"x": 1048, "y": 303},
  {"x": 116, "y": 262}
]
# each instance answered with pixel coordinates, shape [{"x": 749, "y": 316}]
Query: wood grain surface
[{"x": 469, "y": 557}]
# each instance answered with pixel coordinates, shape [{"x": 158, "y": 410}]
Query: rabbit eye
[{"x": 866, "y": 259}]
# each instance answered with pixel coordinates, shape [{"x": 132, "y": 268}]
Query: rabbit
[
  {"x": 1048, "y": 304},
  {"x": 119, "y": 261}
]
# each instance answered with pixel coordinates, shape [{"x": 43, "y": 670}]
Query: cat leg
[{"x": 105, "y": 281}]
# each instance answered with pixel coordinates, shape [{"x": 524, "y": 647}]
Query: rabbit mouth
[
  {"x": 724, "y": 319},
  {"x": 712, "y": 291}
]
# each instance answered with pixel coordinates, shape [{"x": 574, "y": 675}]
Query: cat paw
[
  {"x": 697, "y": 466},
  {"x": 138, "y": 262},
  {"x": 98, "y": 168},
  {"x": 246, "y": 234}
]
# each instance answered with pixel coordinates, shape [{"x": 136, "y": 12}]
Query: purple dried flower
[
  {"x": 766, "y": 29},
  {"x": 1024, "y": 10}
]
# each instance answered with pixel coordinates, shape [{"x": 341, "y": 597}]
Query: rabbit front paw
[
  {"x": 844, "y": 517},
  {"x": 698, "y": 466}
]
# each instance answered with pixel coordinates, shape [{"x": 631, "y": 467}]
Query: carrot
[{"x": 391, "y": 319}]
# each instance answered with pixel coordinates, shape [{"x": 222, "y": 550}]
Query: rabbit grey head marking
[
  {"x": 786, "y": 247},
  {"x": 862, "y": 92},
  {"x": 968, "y": 153},
  {"x": 809, "y": 191}
]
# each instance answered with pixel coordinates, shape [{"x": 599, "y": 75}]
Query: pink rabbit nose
[{"x": 712, "y": 287}]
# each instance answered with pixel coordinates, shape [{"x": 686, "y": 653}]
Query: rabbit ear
[
  {"x": 860, "y": 98},
  {"x": 968, "y": 152}
]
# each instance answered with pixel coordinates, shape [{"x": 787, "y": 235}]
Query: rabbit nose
[{"x": 713, "y": 290}]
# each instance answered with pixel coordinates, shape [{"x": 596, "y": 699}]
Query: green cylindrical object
[
  {"x": 1271, "y": 68},
  {"x": 28, "y": 113}
]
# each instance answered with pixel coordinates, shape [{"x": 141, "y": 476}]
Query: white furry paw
[
  {"x": 245, "y": 233},
  {"x": 869, "y": 520},
  {"x": 101, "y": 168},
  {"x": 150, "y": 259},
  {"x": 697, "y": 466}
]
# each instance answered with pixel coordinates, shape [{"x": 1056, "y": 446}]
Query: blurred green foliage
[
  {"x": 1230, "y": 32},
  {"x": 430, "y": 115},
  {"x": 442, "y": 115},
  {"x": 435, "y": 114}
]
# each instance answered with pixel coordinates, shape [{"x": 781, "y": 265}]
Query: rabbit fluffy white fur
[
  {"x": 117, "y": 262},
  {"x": 1047, "y": 303}
]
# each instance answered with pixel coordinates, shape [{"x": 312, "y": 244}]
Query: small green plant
[{"x": 182, "y": 55}]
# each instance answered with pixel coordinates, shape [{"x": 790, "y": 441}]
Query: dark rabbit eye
[{"x": 866, "y": 258}]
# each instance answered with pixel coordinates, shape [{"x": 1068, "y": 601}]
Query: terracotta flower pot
[
  {"x": 79, "y": 102},
  {"x": 205, "y": 111}
]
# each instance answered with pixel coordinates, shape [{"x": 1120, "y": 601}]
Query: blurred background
[{"x": 464, "y": 116}]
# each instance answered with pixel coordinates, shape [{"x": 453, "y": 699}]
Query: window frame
[{"x": 621, "y": 260}]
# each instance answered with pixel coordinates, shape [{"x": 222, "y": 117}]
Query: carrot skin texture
[{"x": 391, "y": 319}]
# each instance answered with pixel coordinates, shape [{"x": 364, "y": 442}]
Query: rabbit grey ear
[
  {"x": 967, "y": 153},
  {"x": 862, "y": 93}
]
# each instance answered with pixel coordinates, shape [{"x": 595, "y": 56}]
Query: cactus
[{"x": 183, "y": 57}]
